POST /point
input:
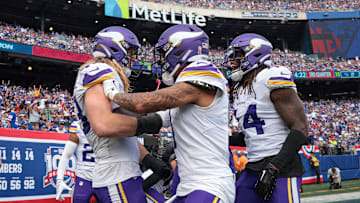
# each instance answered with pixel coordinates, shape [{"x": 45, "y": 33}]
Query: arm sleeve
[{"x": 69, "y": 150}]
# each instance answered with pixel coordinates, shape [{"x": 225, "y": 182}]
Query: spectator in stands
[
  {"x": 243, "y": 161},
  {"x": 24, "y": 125},
  {"x": 35, "y": 126},
  {"x": 335, "y": 178},
  {"x": 236, "y": 157},
  {"x": 314, "y": 162},
  {"x": 353, "y": 150},
  {"x": 3, "y": 121},
  {"x": 13, "y": 118},
  {"x": 61, "y": 128},
  {"x": 33, "y": 112},
  {"x": 47, "y": 110}
]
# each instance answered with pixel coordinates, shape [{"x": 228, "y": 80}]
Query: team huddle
[{"x": 195, "y": 105}]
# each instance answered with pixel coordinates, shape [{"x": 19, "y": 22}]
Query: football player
[
  {"x": 116, "y": 176},
  {"x": 198, "y": 103},
  {"x": 78, "y": 143},
  {"x": 273, "y": 121}
]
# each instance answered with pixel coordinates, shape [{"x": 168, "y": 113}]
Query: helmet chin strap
[
  {"x": 125, "y": 70},
  {"x": 238, "y": 75},
  {"x": 168, "y": 78}
]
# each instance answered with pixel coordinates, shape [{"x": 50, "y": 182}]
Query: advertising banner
[
  {"x": 335, "y": 38},
  {"x": 15, "y": 47},
  {"x": 29, "y": 165},
  {"x": 320, "y": 74},
  {"x": 326, "y": 74},
  {"x": 62, "y": 55},
  {"x": 347, "y": 74},
  {"x": 251, "y": 14}
]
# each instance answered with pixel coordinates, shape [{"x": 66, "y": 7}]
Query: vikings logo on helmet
[
  {"x": 52, "y": 159},
  {"x": 114, "y": 43},
  {"x": 179, "y": 44}
]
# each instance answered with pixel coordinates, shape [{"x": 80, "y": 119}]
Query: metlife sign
[{"x": 120, "y": 9}]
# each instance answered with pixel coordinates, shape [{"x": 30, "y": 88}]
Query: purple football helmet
[
  {"x": 178, "y": 45},
  {"x": 114, "y": 43},
  {"x": 256, "y": 51}
]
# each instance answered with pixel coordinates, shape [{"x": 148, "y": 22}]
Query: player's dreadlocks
[{"x": 247, "y": 81}]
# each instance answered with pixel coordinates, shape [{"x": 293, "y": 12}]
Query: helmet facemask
[
  {"x": 234, "y": 59},
  {"x": 247, "y": 52}
]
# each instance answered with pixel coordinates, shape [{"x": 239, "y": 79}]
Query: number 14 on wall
[{"x": 16, "y": 154}]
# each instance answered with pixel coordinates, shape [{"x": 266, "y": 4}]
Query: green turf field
[
  {"x": 348, "y": 201},
  {"x": 323, "y": 188}
]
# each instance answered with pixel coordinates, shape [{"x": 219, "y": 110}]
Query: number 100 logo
[{"x": 52, "y": 159}]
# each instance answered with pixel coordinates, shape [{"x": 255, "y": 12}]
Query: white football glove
[
  {"x": 60, "y": 187},
  {"x": 111, "y": 88}
]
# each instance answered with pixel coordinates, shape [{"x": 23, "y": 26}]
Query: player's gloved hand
[
  {"x": 111, "y": 88},
  {"x": 159, "y": 167},
  {"x": 266, "y": 182},
  {"x": 60, "y": 187}
]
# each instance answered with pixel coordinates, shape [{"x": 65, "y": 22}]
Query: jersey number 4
[{"x": 256, "y": 121}]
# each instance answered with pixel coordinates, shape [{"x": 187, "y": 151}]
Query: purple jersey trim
[
  {"x": 209, "y": 68},
  {"x": 282, "y": 78},
  {"x": 90, "y": 78}
]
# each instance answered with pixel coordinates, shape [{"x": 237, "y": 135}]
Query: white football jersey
[
  {"x": 265, "y": 131},
  {"x": 201, "y": 137},
  {"x": 117, "y": 159},
  {"x": 84, "y": 153}
]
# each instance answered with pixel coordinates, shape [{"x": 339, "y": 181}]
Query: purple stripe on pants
[
  {"x": 245, "y": 189},
  {"x": 132, "y": 188},
  {"x": 152, "y": 194}
]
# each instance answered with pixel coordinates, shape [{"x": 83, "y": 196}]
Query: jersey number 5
[{"x": 256, "y": 122}]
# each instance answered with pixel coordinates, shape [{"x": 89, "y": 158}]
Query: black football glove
[
  {"x": 266, "y": 182},
  {"x": 150, "y": 181},
  {"x": 159, "y": 168}
]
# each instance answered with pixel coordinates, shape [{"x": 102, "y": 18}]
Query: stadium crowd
[
  {"x": 334, "y": 125},
  {"x": 53, "y": 40},
  {"x": 301, "y": 62},
  {"x": 35, "y": 108},
  {"x": 294, "y": 60},
  {"x": 271, "y": 6}
]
